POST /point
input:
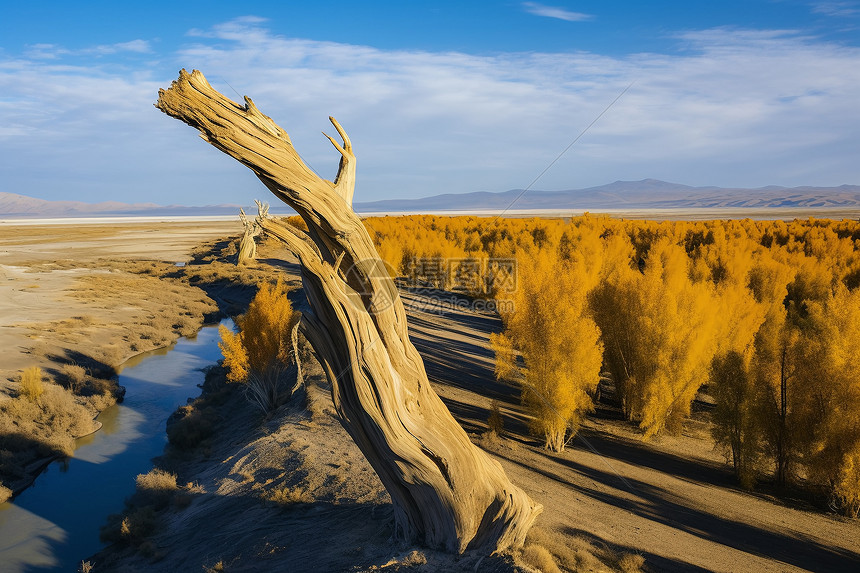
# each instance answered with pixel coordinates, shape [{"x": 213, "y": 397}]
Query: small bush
[
  {"x": 495, "y": 422},
  {"x": 286, "y": 495},
  {"x": 5, "y": 493},
  {"x": 538, "y": 557},
  {"x": 572, "y": 553},
  {"x": 85, "y": 567},
  {"x": 260, "y": 353},
  {"x": 155, "y": 488},
  {"x": 31, "y": 386},
  {"x": 189, "y": 427},
  {"x": 74, "y": 376},
  {"x": 48, "y": 427},
  {"x": 631, "y": 563},
  {"x": 138, "y": 524}
]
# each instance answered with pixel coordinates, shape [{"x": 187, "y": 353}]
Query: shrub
[
  {"x": 137, "y": 525},
  {"x": 495, "y": 422},
  {"x": 259, "y": 354},
  {"x": 155, "y": 488},
  {"x": 287, "y": 495},
  {"x": 631, "y": 563},
  {"x": 539, "y": 558},
  {"x": 75, "y": 376},
  {"x": 31, "y": 384},
  {"x": 189, "y": 427},
  {"x": 47, "y": 427}
]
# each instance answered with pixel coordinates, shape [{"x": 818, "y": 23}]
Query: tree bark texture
[{"x": 446, "y": 492}]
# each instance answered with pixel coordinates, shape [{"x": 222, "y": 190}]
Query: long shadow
[
  {"x": 473, "y": 419},
  {"x": 662, "y": 506},
  {"x": 653, "y": 561},
  {"x": 645, "y": 455},
  {"x": 449, "y": 305},
  {"x": 95, "y": 367}
]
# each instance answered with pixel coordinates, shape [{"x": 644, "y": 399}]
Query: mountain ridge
[{"x": 643, "y": 194}]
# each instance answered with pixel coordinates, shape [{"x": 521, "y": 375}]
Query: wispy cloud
[
  {"x": 836, "y": 9},
  {"x": 555, "y": 12},
  {"x": 739, "y": 107},
  {"x": 135, "y": 46},
  {"x": 53, "y": 51}
]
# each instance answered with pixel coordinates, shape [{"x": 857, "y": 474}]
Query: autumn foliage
[
  {"x": 762, "y": 316},
  {"x": 259, "y": 353}
]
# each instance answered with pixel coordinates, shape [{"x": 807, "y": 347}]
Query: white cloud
[
  {"x": 738, "y": 107},
  {"x": 53, "y": 51},
  {"x": 135, "y": 46},
  {"x": 555, "y": 12},
  {"x": 836, "y": 9}
]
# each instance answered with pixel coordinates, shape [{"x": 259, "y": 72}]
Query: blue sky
[{"x": 438, "y": 97}]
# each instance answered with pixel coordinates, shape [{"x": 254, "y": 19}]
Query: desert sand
[{"x": 293, "y": 493}]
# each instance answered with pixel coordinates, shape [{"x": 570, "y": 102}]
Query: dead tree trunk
[
  {"x": 446, "y": 492},
  {"x": 247, "y": 245}
]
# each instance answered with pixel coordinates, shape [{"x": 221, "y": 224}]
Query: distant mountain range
[
  {"x": 20, "y": 206},
  {"x": 645, "y": 194},
  {"x": 623, "y": 195}
]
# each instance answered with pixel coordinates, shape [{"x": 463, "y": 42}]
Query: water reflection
[{"x": 55, "y": 523}]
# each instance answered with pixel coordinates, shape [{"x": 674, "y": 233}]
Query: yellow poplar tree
[
  {"x": 560, "y": 345},
  {"x": 829, "y": 397},
  {"x": 259, "y": 353},
  {"x": 660, "y": 337}
]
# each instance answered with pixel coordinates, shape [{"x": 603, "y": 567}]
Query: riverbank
[
  {"x": 79, "y": 300},
  {"x": 51, "y": 526}
]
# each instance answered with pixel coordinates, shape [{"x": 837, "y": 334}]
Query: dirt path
[{"x": 673, "y": 501}]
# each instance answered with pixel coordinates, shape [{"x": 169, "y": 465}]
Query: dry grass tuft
[
  {"x": 286, "y": 495},
  {"x": 631, "y": 563},
  {"x": 74, "y": 377},
  {"x": 31, "y": 386},
  {"x": 155, "y": 488},
  {"x": 573, "y": 553},
  {"x": 538, "y": 557},
  {"x": 5, "y": 493},
  {"x": 85, "y": 567},
  {"x": 415, "y": 559},
  {"x": 47, "y": 426}
]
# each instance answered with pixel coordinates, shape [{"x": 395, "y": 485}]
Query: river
[{"x": 54, "y": 524}]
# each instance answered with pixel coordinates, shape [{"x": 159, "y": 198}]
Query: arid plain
[{"x": 292, "y": 492}]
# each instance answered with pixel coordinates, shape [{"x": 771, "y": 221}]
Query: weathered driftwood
[
  {"x": 247, "y": 245},
  {"x": 446, "y": 492}
]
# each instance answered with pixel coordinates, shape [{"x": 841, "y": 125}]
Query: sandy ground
[
  {"x": 41, "y": 267},
  {"x": 672, "y": 501}
]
